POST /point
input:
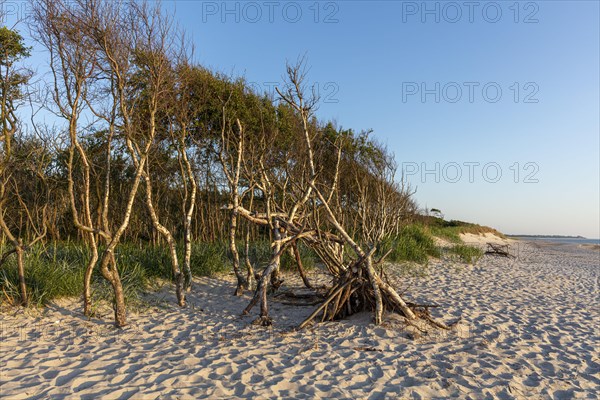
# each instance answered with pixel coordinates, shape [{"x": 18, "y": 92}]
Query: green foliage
[
  {"x": 468, "y": 254},
  {"x": 414, "y": 243},
  {"x": 153, "y": 260},
  {"x": 451, "y": 234},
  {"x": 13, "y": 47},
  {"x": 260, "y": 255},
  {"x": 12, "y": 50},
  {"x": 260, "y": 252}
]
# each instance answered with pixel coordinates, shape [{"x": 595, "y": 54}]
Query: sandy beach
[{"x": 529, "y": 328}]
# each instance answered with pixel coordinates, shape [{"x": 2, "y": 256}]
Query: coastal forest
[{"x": 124, "y": 161}]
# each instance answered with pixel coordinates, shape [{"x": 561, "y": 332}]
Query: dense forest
[{"x": 140, "y": 144}]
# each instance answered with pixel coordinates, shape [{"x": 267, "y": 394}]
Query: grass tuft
[
  {"x": 468, "y": 254},
  {"x": 414, "y": 243}
]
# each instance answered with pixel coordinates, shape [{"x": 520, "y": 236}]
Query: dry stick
[
  {"x": 261, "y": 290},
  {"x": 380, "y": 262},
  {"x": 324, "y": 312},
  {"x": 322, "y": 306},
  {"x": 334, "y": 310},
  {"x": 346, "y": 298},
  {"x": 408, "y": 313},
  {"x": 436, "y": 323},
  {"x": 300, "y": 268}
]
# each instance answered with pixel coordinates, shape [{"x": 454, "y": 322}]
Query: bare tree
[
  {"x": 92, "y": 45},
  {"x": 13, "y": 78},
  {"x": 284, "y": 222},
  {"x": 357, "y": 285},
  {"x": 154, "y": 51},
  {"x": 231, "y": 155},
  {"x": 183, "y": 116}
]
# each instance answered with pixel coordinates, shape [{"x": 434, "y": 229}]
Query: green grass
[
  {"x": 209, "y": 259},
  {"x": 308, "y": 257},
  {"x": 414, "y": 243},
  {"x": 468, "y": 254},
  {"x": 48, "y": 275},
  {"x": 451, "y": 234},
  {"x": 56, "y": 270},
  {"x": 260, "y": 255}
]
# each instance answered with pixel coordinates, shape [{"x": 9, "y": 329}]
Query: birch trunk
[
  {"x": 87, "y": 282},
  {"x": 177, "y": 275},
  {"x": 261, "y": 291}
]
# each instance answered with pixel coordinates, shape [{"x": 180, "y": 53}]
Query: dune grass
[
  {"x": 414, "y": 243},
  {"x": 48, "y": 275},
  {"x": 56, "y": 270},
  {"x": 451, "y": 230},
  {"x": 468, "y": 254}
]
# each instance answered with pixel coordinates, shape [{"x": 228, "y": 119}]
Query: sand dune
[{"x": 529, "y": 329}]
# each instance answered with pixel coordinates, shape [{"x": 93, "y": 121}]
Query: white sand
[
  {"x": 529, "y": 329},
  {"x": 483, "y": 239}
]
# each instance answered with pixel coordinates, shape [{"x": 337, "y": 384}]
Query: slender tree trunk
[
  {"x": 178, "y": 275},
  {"x": 21, "y": 269},
  {"x": 242, "y": 283},
  {"x": 87, "y": 282},
  {"x": 300, "y": 267},
  {"x": 187, "y": 257},
  {"x": 190, "y": 207},
  {"x": 108, "y": 267},
  {"x": 187, "y": 240},
  {"x": 163, "y": 231},
  {"x": 276, "y": 280},
  {"x": 249, "y": 268},
  {"x": 261, "y": 291}
]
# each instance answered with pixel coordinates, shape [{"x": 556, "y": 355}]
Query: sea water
[{"x": 563, "y": 240}]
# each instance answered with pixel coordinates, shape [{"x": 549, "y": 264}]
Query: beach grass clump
[
  {"x": 48, "y": 275},
  {"x": 466, "y": 253},
  {"x": 260, "y": 253},
  {"x": 209, "y": 258},
  {"x": 56, "y": 270},
  {"x": 154, "y": 261},
  {"x": 414, "y": 243},
  {"x": 451, "y": 234}
]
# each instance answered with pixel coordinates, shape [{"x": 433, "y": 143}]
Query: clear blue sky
[{"x": 373, "y": 59}]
